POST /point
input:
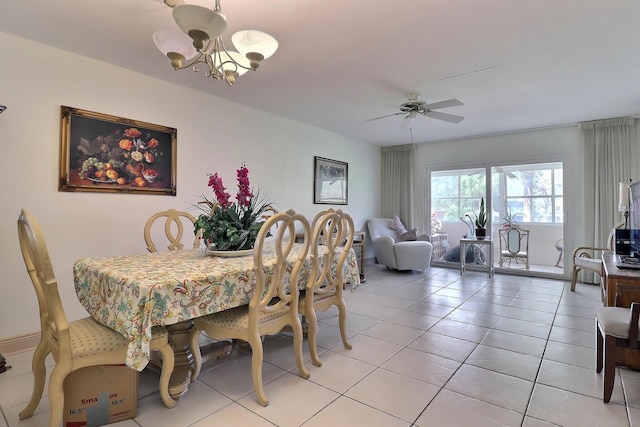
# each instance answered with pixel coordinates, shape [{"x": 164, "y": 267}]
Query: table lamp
[{"x": 623, "y": 201}]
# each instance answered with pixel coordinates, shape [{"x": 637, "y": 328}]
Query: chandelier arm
[
  {"x": 202, "y": 59},
  {"x": 231, "y": 60},
  {"x": 211, "y": 72}
]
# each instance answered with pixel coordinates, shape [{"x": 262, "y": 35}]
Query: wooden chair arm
[{"x": 584, "y": 251}]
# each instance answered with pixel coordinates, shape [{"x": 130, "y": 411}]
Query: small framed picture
[
  {"x": 330, "y": 182},
  {"x": 103, "y": 153}
]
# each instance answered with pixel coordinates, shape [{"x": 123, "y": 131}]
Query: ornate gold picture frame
[{"x": 103, "y": 153}]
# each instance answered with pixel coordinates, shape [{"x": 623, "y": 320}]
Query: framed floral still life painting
[
  {"x": 330, "y": 181},
  {"x": 103, "y": 153}
]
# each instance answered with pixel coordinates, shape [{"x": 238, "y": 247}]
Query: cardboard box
[{"x": 100, "y": 395}]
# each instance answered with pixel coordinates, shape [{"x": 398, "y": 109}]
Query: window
[
  {"x": 455, "y": 193},
  {"x": 531, "y": 192}
]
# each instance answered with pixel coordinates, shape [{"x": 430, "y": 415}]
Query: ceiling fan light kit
[{"x": 200, "y": 43}]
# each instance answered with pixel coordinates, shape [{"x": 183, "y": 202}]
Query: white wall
[
  {"x": 556, "y": 144},
  {"x": 214, "y": 135}
]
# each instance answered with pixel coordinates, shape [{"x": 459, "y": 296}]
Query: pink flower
[
  {"x": 244, "y": 192},
  {"x": 222, "y": 196}
]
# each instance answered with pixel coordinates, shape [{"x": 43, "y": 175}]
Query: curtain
[
  {"x": 609, "y": 153},
  {"x": 397, "y": 183}
]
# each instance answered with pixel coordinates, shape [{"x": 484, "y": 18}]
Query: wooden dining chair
[
  {"x": 174, "y": 224},
  {"x": 617, "y": 336},
  {"x": 335, "y": 231},
  {"x": 274, "y": 301},
  {"x": 76, "y": 344}
]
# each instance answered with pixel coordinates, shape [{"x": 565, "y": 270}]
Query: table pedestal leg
[
  {"x": 181, "y": 376},
  {"x": 179, "y": 338}
]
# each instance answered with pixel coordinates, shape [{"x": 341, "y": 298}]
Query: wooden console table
[{"x": 611, "y": 276}]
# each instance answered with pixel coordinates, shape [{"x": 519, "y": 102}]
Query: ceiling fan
[{"x": 415, "y": 106}]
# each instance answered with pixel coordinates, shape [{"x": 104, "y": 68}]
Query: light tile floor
[{"x": 429, "y": 349}]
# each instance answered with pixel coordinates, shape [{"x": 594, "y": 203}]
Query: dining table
[{"x": 133, "y": 293}]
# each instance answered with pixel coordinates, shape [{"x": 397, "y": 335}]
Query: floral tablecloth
[{"x": 131, "y": 294}]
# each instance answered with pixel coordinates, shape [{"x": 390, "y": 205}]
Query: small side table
[
  {"x": 358, "y": 242},
  {"x": 478, "y": 250}
]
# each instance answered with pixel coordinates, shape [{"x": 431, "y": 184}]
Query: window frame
[{"x": 553, "y": 197}]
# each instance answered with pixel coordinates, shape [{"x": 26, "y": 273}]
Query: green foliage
[
  {"x": 234, "y": 228},
  {"x": 510, "y": 219},
  {"x": 480, "y": 218}
]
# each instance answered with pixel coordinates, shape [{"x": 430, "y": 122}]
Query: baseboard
[{"x": 19, "y": 344}]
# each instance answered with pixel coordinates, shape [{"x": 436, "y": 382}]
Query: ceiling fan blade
[
  {"x": 382, "y": 117},
  {"x": 443, "y": 104},
  {"x": 444, "y": 116}
]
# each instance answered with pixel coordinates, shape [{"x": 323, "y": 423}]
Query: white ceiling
[{"x": 514, "y": 64}]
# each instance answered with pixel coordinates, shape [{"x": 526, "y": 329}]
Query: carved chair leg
[
  {"x": 312, "y": 336},
  {"x": 39, "y": 378},
  {"x": 256, "y": 369},
  {"x": 297, "y": 347},
  {"x": 343, "y": 325}
]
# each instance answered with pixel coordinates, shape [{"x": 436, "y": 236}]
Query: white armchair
[{"x": 401, "y": 255}]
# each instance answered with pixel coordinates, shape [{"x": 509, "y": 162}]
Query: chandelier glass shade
[{"x": 200, "y": 44}]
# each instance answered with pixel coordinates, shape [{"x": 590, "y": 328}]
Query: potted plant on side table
[{"x": 480, "y": 221}]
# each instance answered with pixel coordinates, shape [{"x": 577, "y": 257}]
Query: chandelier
[{"x": 200, "y": 43}]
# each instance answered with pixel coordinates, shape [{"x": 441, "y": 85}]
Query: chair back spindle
[{"x": 173, "y": 229}]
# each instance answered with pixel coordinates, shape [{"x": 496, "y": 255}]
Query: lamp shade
[
  {"x": 192, "y": 17},
  {"x": 623, "y": 196},
  {"x": 254, "y": 41},
  {"x": 174, "y": 41}
]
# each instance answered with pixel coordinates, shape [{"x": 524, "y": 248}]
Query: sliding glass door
[{"x": 528, "y": 197}]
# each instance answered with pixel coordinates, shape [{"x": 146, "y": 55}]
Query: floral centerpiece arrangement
[{"x": 227, "y": 225}]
